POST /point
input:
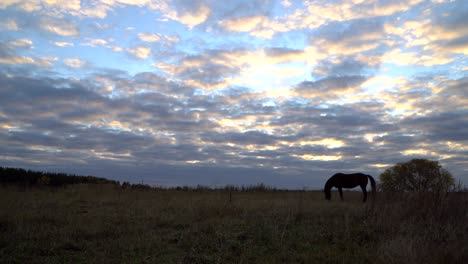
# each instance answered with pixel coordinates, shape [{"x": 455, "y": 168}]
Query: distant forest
[
  {"x": 24, "y": 177},
  {"x": 29, "y": 178}
]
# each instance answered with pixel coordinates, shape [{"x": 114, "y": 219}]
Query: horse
[{"x": 341, "y": 180}]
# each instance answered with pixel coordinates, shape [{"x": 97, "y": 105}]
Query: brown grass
[{"x": 105, "y": 224}]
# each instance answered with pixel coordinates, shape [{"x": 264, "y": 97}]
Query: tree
[{"x": 418, "y": 175}]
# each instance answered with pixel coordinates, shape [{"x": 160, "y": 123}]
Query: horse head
[
  {"x": 327, "y": 189},
  {"x": 327, "y": 194}
]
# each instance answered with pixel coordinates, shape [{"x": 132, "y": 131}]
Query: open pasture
[{"x": 108, "y": 224}]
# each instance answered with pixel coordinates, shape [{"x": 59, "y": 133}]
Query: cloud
[
  {"x": 59, "y": 27},
  {"x": 74, "y": 62},
  {"x": 9, "y": 56},
  {"x": 25, "y": 5},
  {"x": 46, "y": 61},
  {"x": 147, "y": 37},
  {"x": 60, "y": 6},
  {"x": 190, "y": 16},
  {"x": 449, "y": 126},
  {"x": 399, "y": 57},
  {"x": 150, "y": 114},
  {"x": 140, "y": 52},
  {"x": 208, "y": 70},
  {"x": 63, "y": 44},
  {"x": 280, "y": 55},
  {"x": 319, "y": 13},
  {"x": 9, "y": 24},
  {"x": 94, "y": 42},
  {"x": 312, "y": 15},
  {"x": 286, "y": 3},
  {"x": 129, "y": 2},
  {"x": 243, "y": 24},
  {"x": 16, "y": 60},
  {"x": 449, "y": 94},
  {"x": 218, "y": 68},
  {"x": 94, "y": 9},
  {"x": 354, "y": 38},
  {"x": 151, "y": 37},
  {"x": 330, "y": 87},
  {"x": 249, "y": 17},
  {"x": 22, "y": 43},
  {"x": 341, "y": 66},
  {"x": 258, "y": 25},
  {"x": 431, "y": 41}
]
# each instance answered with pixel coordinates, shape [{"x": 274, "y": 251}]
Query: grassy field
[{"x": 107, "y": 224}]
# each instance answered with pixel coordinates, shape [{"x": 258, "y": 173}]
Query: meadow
[{"x": 104, "y": 223}]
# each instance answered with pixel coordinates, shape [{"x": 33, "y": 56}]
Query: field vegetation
[{"x": 110, "y": 223}]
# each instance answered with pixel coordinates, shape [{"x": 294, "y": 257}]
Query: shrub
[{"x": 419, "y": 175}]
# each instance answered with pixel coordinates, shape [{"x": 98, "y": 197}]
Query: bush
[{"x": 419, "y": 175}]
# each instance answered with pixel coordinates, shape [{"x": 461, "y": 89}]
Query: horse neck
[{"x": 328, "y": 185}]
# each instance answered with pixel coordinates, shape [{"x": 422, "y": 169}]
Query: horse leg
[
  {"x": 341, "y": 192},
  {"x": 364, "y": 192}
]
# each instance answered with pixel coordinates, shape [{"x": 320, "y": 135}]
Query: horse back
[{"x": 350, "y": 180}]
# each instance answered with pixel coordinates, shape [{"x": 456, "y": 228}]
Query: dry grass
[{"x": 105, "y": 224}]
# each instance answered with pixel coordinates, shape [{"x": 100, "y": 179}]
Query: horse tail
[{"x": 374, "y": 187}]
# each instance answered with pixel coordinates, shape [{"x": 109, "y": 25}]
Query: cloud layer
[{"x": 169, "y": 92}]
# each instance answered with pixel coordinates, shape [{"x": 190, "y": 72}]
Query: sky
[{"x": 285, "y": 93}]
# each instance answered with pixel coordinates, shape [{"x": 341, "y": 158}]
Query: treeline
[
  {"x": 260, "y": 187},
  {"x": 29, "y": 178},
  {"x": 24, "y": 177}
]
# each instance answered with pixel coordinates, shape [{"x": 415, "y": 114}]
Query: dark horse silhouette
[{"x": 341, "y": 180}]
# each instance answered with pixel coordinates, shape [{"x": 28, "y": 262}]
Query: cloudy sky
[{"x": 232, "y": 92}]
